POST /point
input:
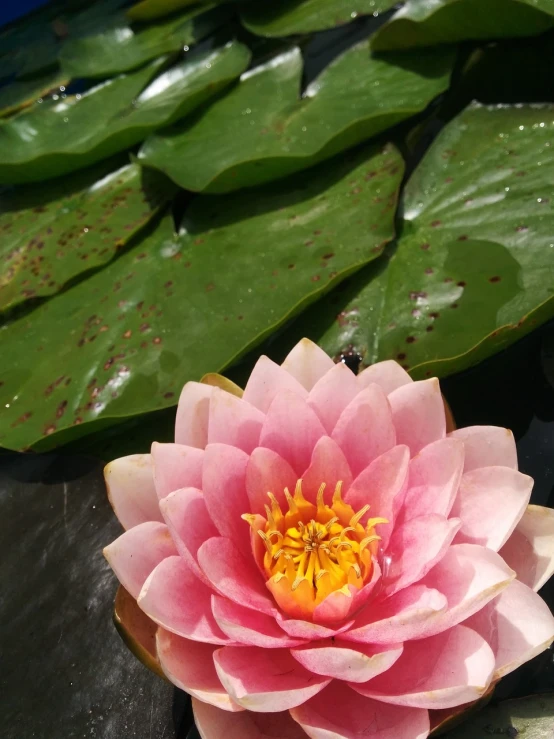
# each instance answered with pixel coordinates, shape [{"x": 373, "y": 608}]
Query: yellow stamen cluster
[{"x": 312, "y": 550}]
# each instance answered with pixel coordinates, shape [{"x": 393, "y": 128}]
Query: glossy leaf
[
  {"x": 532, "y": 718},
  {"x": 148, "y": 10},
  {"x": 122, "y": 48},
  {"x": 51, "y": 234},
  {"x": 174, "y": 308},
  {"x": 261, "y": 130},
  {"x": 305, "y": 16},
  {"x": 64, "y": 135},
  {"x": 21, "y": 94},
  {"x": 432, "y": 22}
]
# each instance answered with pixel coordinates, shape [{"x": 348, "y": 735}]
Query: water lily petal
[
  {"x": 176, "y": 599},
  {"x": 234, "y": 421},
  {"x": 267, "y": 472},
  {"x": 332, "y": 393},
  {"x": 418, "y": 413},
  {"x": 487, "y": 446},
  {"x": 343, "y": 603},
  {"x": 389, "y": 375},
  {"x": 245, "y": 626},
  {"x": 490, "y": 502},
  {"x": 193, "y": 411},
  {"x": 365, "y": 428},
  {"x": 517, "y": 624},
  {"x": 442, "y": 671},
  {"x": 265, "y": 679},
  {"x": 213, "y": 723},
  {"x": 190, "y": 666},
  {"x": 176, "y": 466},
  {"x": 345, "y": 661},
  {"x": 131, "y": 490},
  {"x": 328, "y": 465},
  {"x": 134, "y": 554},
  {"x": 307, "y": 363},
  {"x": 308, "y": 630},
  {"x": 266, "y": 381},
  {"x": 530, "y": 549},
  {"x": 340, "y": 713}
]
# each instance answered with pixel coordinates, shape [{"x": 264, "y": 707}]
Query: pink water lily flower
[{"x": 324, "y": 558}]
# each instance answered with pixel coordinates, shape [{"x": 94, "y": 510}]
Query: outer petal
[
  {"x": 440, "y": 672},
  {"x": 268, "y": 379},
  {"x": 135, "y": 553},
  {"x": 234, "y": 576},
  {"x": 340, "y": 713},
  {"x": 190, "y": 666},
  {"x": 292, "y": 430},
  {"x": 307, "y": 363},
  {"x": 405, "y": 615},
  {"x": 418, "y": 413},
  {"x": 332, "y": 393},
  {"x": 517, "y": 624},
  {"x": 389, "y": 375},
  {"x": 328, "y": 465},
  {"x": 365, "y": 429},
  {"x": 265, "y": 680},
  {"x": 176, "y": 466},
  {"x": 234, "y": 421},
  {"x": 213, "y": 723},
  {"x": 345, "y": 661},
  {"x": 530, "y": 549},
  {"x": 246, "y": 626},
  {"x": 176, "y": 599},
  {"x": 415, "y": 547},
  {"x": 191, "y": 421},
  {"x": 268, "y": 472},
  {"x": 131, "y": 491},
  {"x": 434, "y": 477},
  {"x": 224, "y": 486},
  {"x": 487, "y": 446},
  {"x": 490, "y": 502}
]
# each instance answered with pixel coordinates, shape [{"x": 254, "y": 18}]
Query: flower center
[{"x": 312, "y": 550}]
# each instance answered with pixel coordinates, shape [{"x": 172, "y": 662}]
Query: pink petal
[
  {"x": 212, "y": 723},
  {"x": 389, "y": 375},
  {"x": 405, "y": 615},
  {"x": 191, "y": 421},
  {"x": 487, "y": 446},
  {"x": 434, "y": 477},
  {"x": 341, "y": 605},
  {"x": 267, "y": 472},
  {"x": 530, "y": 549},
  {"x": 328, "y": 465},
  {"x": 266, "y": 381},
  {"x": 332, "y": 393},
  {"x": 382, "y": 485},
  {"x": 234, "y": 421},
  {"x": 490, "y": 502},
  {"x": 131, "y": 490},
  {"x": 176, "y": 466},
  {"x": 418, "y": 414},
  {"x": 291, "y": 429},
  {"x": 135, "y": 553},
  {"x": 365, "y": 429},
  {"x": 189, "y": 522},
  {"x": 246, "y": 626},
  {"x": 175, "y": 598},
  {"x": 307, "y": 363},
  {"x": 415, "y": 547},
  {"x": 307, "y": 630},
  {"x": 232, "y": 575},
  {"x": 224, "y": 486},
  {"x": 517, "y": 624},
  {"x": 344, "y": 661},
  {"x": 439, "y": 672},
  {"x": 265, "y": 679},
  {"x": 189, "y": 665},
  {"x": 469, "y": 576},
  {"x": 340, "y": 713}
]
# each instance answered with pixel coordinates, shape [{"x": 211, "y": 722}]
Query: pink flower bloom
[{"x": 324, "y": 559}]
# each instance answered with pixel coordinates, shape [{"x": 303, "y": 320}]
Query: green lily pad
[
  {"x": 261, "y": 130},
  {"x": 305, "y": 16},
  {"x": 472, "y": 272},
  {"x": 23, "y": 93},
  {"x": 172, "y": 308},
  {"x": 431, "y": 22},
  {"x": 67, "y": 134},
  {"x": 121, "y": 48},
  {"x": 148, "y": 10},
  {"x": 532, "y": 718},
  {"x": 50, "y": 235}
]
